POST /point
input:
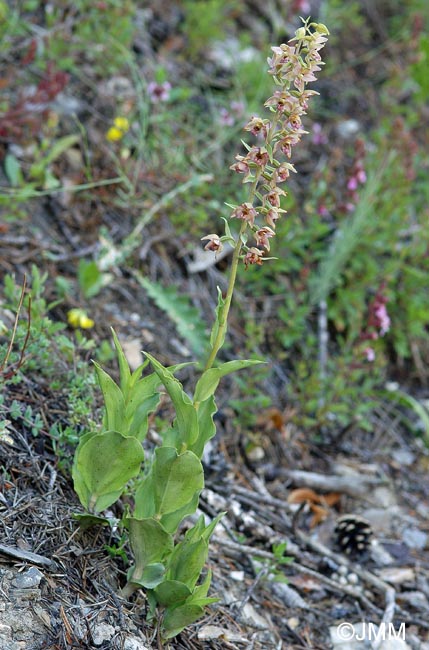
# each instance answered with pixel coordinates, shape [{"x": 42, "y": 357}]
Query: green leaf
[
  {"x": 175, "y": 620},
  {"x": 55, "y": 152},
  {"x": 171, "y": 489},
  {"x": 190, "y": 555},
  {"x": 90, "y": 278},
  {"x": 148, "y": 539},
  {"x": 138, "y": 425},
  {"x": 139, "y": 396},
  {"x": 152, "y": 576},
  {"x": 206, "y": 425},
  {"x": 113, "y": 400},
  {"x": 124, "y": 368},
  {"x": 87, "y": 521},
  {"x": 171, "y": 520},
  {"x": 200, "y": 530},
  {"x": 219, "y": 310},
  {"x": 209, "y": 380},
  {"x": 150, "y": 544},
  {"x": 186, "y": 415},
  {"x": 177, "y": 478},
  {"x": 13, "y": 170},
  {"x": 102, "y": 468},
  {"x": 187, "y": 561},
  {"x": 200, "y": 593},
  {"x": 172, "y": 592}
]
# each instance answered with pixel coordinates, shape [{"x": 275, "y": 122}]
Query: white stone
[
  {"x": 102, "y": 632},
  {"x": 133, "y": 643},
  {"x": 238, "y": 576}
]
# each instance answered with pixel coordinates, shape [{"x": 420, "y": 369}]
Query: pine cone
[{"x": 353, "y": 534}]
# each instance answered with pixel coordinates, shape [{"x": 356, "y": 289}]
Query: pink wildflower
[
  {"x": 318, "y": 136},
  {"x": 159, "y": 92},
  {"x": 214, "y": 243},
  {"x": 322, "y": 210},
  {"x": 292, "y": 65},
  {"x": 301, "y": 7},
  {"x": 253, "y": 256},
  {"x": 273, "y": 196},
  {"x": 245, "y": 211},
  {"x": 369, "y": 354},
  {"x": 272, "y": 216},
  {"x": 258, "y": 126},
  {"x": 383, "y": 319},
  {"x": 263, "y": 235},
  {"x": 226, "y": 118},
  {"x": 241, "y": 166},
  {"x": 286, "y": 143},
  {"x": 259, "y": 156},
  {"x": 361, "y": 176},
  {"x": 352, "y": 183},
  {"x": 282, "y": 172}
]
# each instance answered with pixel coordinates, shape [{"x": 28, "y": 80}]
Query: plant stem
[{"x": 223, "y": 318}]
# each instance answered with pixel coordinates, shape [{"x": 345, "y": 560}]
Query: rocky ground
[{"x": 59, "y": 584}]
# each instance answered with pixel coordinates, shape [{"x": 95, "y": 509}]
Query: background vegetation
[{"x": 109, "y": 222}]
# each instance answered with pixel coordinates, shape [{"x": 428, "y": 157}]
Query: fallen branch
[
  {"x": 27, "y": 556},
  {"x": 355, "y": 486}
]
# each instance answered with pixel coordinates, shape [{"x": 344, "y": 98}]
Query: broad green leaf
[
  {"x": 171, "y": 520},
  {"x": 141, "y": 400},
  {"x": 102, "y": 468},
  {"x": 85, "y": 437},
  {"x": 186, "y": 416},
  {"x": 171, "y": 489},
  {"x": 172, "y": 438},
  {"x": 142, "y": 389},
  {"x": 113, "y": 399},
  {"x": 138, "y": 425},
  {"x": 150, "y": 544},
  {"x": 152, "y": 575},
  {"x": 209, "y": 380},
  {"x": 187, "y": 562},
  {"x": 177, "y": 477},
  {"x": 206, "y": 425},
  {"x": 171, "y": 592},
  {"x": 87, "y": 521},
  {"x": 144, "y": 498},
  {"x": 176, "y": 619}
]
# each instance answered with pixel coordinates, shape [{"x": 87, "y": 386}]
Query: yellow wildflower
[
  {"x": 118, "y": 130},
  {"x": 121, "y": 123},
  {"x": 114, "y": 134},
  {"x": 78, "y": 318}
]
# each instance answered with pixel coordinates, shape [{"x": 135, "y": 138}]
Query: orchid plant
[{"x": 166, "y": 566}]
